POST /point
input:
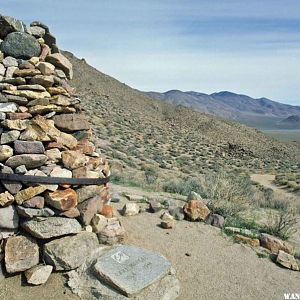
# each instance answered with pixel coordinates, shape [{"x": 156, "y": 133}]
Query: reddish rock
[
  {"x": 108, "y": 211},
  {"x": 73, "y": 159},
  {"x": 85, "y": 147},
  {"x": 71, "y": 213},
  {"x": 274, "y": 244},
  {"x": 35, "y": 202},
  {"x": 62, "y": 199},
  {"x": 28, "y": 147},
  {"x": 196, "y": 210},
  {"x": 18, "y": 116},
  {"x": 53, "y": 145},
  {"x": 45, "y": 51}
]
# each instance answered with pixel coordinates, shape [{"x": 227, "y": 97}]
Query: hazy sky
[{"x": 250, "y": 47}]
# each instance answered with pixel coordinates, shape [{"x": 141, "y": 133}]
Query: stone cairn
[{"x": 44, "y": 133}]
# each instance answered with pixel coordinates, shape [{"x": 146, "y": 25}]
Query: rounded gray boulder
[{"x": 20, "y": 45}]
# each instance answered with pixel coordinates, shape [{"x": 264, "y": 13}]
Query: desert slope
[{"x": 144, "y": 130}]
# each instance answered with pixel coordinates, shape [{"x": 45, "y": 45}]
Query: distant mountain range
[{"x": 261, "y": 113}]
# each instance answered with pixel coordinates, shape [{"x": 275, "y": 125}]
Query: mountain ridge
[{"x": 261, "y": 112}]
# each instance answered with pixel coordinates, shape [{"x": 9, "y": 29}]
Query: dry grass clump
[{"x": 228, "y": 193}]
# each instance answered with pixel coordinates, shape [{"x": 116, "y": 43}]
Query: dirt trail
[{"x": 267, "y": 181}]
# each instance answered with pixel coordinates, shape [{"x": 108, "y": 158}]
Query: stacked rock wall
[{"x": 43, "y": 133}]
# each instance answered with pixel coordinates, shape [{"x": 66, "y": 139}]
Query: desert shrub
[
  {"x": 151, "y": 175},
  {"x": 266, "y": 199},
  {"x": 281, "y": 223},
  {"x": 229, "y": 193},
  {"x": 182, "y": 186},
  {"x": 175, "y": 186}
]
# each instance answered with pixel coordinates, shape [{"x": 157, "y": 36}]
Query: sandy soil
[
  {"x": 214, "y": 268},
  {"x": 267, "y": 181},
  {"x": 217, "y": 267}
]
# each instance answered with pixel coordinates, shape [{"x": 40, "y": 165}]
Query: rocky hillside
[
  {"x": 260, "y": 113},
  {"x": 137, "y": 130}
]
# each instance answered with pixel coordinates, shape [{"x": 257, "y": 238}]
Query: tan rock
[
  {"x": 38, "y": 275},
  {"x": 61, "y": 62},
  {"x": 10, "y": 71},
  {"x": 29, "y": 193},
  {"x": 286, "y": 260},
  {"x": 32, "y": 87},
  {"x": 16, "y": 124},
  {"x": 85, "y": 172},
  {"x": 46, "y": 68},
  {"x": 73, "y": 159},
  {"x": 28, "y": 94},
  {"x": 62, "y": 199},
  {"x": 196, "y": 210},
  {"x": 167, "y": 224},
  {"x": 42, "y": 129},
  {"x": 98, "y": 223},
  {"x": 34, "y": 60},
  {"x": 41, "y": 109},
  {"x": 57, "y": 91},
  {"x": 60, "y": 100},
  {"x": 21, "y": 253},
  {"x": 30, "y": 161},
  {"x": 55, "y": 134},
  {"x": 54, "y": 155},
  {"x": 131, "y": 209},
  {"x": 34, "y": 133},
  {"x": 61, "y": 172},
  {"x": 26, "y": 72},
  {"x": 45, "y": 81},
  {"x": 6, "y": 199},
  {"x": 7, "y": 87},
  {"x": 112, "y": 234},
  {"x": 5, "y": 152},
  {"x": 71, "y": 122}
]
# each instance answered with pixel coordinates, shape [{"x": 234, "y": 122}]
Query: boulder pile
[{"x": 44, "y": 133}]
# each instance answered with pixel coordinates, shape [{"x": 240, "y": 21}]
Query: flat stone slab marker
[{"x": 130, "y": 269}]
